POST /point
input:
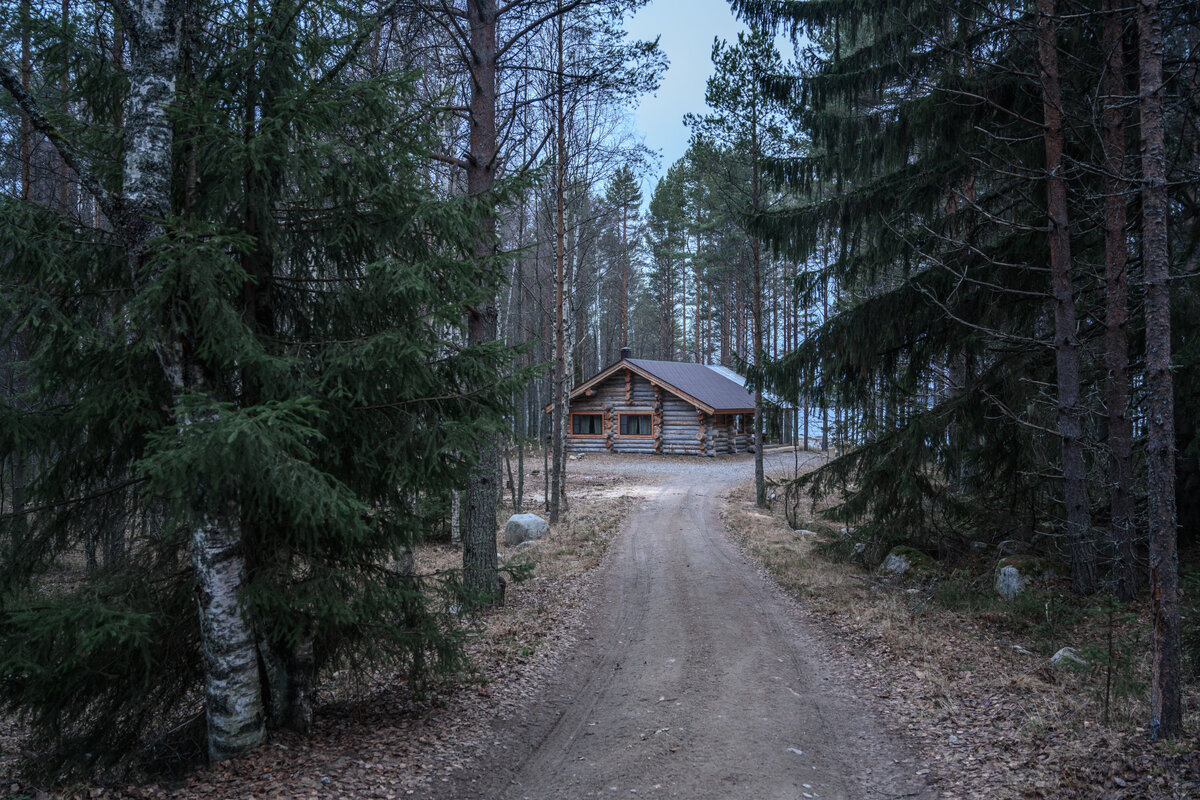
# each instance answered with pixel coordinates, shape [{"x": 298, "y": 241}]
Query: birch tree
[
  {"x": 249, "y": 375},
  {"x": 233, "y": 701}
]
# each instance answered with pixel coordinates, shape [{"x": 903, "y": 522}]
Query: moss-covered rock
[
  {"x": 1014, "y": 573},
  {"x": 909, "y": 562},
  {"x": 1036, "y": 566}
]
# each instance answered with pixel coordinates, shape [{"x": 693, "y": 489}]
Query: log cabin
[{"x": 642, "y": 406}]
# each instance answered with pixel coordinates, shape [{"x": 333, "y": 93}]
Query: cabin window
[
  {"x": 635, "y": 425},
  {"x": 587, "y": 424}
]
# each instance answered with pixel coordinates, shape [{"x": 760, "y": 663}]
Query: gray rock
[
  {"x": 803, "y": 532},
  {"x": 1014, "y": 573},
  {"x": 1067, "y": 655},
  {"x": 1010, "y": 582},
  {"x": 524, "y": 527},
  {"x": 896, "y": 564},
  {"x": 909, "y": 562},
  {"x": 1009, "y": 547}
]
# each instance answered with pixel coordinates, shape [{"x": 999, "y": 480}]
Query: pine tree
[
  {"x": 749, "y": 127},
  {"x": 928, "y": 127}
]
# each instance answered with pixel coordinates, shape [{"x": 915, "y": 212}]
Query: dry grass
[
  {"x": 967, "y": 677},
  {"x": 535, "y": 608}
]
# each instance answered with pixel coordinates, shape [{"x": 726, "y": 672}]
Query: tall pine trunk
[
  {"x": 25, "y": 149},
  {"x": 63, "y": 178},
  {"x": 561, "y": 390},
  {"x": 1116, "y": 282},
  {"x": 1166, "y": 708},
  {"x": 760, "y": 480},
  {"x": 1066, "y": 345},
  {"x": 480, "y": 576}
]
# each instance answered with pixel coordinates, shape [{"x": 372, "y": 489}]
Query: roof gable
[{"x": 701, "y": 386}]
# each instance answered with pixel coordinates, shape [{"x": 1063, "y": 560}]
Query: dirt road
[{"x": 697, "y": 679}]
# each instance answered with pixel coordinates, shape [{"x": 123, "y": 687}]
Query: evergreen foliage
[
  {"x": 320, "y": 283},
  {"x": 925, "y": 178}
]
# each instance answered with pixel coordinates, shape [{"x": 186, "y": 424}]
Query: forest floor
[
  {"x": 967, "y": 676},
  {"x": 882, "y": 688}
]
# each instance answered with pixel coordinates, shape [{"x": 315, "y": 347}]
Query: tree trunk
[
  {"x": 1166, "y": 709},
  {"x": 480, "y": 576},
  {"x": 25, "y": 149},
  {"x": 233, "y": 699},
  {"x": 65, "y": 204},
  {"x": 301, "y": 672},
  {"x": 1116, "y": 339},
  {"x": 26, "y": 131},
  {"x": 760, "y": 479},
  {"x": 522, "y": 421},
  {"x": 824, "y": 319},
  {"x": 804, "y": 311},
  {"x": 623, "y": 310},
  {"x": 1066, "y": 345},
  {"x": 561, "y": 392},
  {"x": 232, "y": 692}
]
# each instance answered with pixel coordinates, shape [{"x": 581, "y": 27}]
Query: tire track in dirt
[{"x": 698, "y": 681}]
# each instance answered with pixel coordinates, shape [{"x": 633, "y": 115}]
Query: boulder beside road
[{"x": 522, "y": 528}]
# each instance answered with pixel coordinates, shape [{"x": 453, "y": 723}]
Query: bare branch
[
  {"x": 111, "y": 204},
  {"x": 453, "y": 161}
]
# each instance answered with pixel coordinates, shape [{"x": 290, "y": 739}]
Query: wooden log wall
[
  {"x": 627, "y": 393},
  {"x": 657, "y": 419},
  {"x": 678, "y": 426},
  {"x": 721, "y": 439}
]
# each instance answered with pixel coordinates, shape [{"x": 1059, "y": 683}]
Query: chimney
[{"x": 626, "y": 353}]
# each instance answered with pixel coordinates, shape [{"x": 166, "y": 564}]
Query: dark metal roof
[{"x": 700, "y": 382}]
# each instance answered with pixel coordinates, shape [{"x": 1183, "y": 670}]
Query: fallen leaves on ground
[{"x": 988, "y": 717}]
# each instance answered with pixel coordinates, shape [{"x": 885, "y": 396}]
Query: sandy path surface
[{"x": 696, "y": 678}]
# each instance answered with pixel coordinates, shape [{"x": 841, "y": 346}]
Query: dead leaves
[{"x": 984, "y": 713}]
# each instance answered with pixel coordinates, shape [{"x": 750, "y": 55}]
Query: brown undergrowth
[{"x": 966, "y": 677}]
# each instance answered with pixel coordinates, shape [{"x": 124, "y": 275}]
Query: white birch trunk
[{"x": 233, "y": 695}]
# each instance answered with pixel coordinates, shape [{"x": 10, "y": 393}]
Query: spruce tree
[{"x": 267, "y": 362}]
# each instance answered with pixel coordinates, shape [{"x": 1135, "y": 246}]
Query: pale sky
[{"x": 686, "y": 28}]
